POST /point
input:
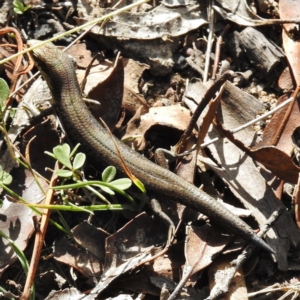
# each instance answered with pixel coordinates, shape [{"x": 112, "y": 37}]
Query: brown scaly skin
[{"x": 58, "y": 70}]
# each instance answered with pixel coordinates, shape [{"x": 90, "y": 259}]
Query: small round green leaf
[
  {"x": 18, "y": 7},
  {"x": 79, "y": 161},
  {"x": 64, "y": 173},
  {"x": 18, "y": 11},
  {"x": 66, "y": 148},
  {"x": 107, "y": 190},
  {"x": 7, "y": 178},
  {"x": 109, "y": 174},
  {"x": 62, "y": 153},
  {"x": 4, "y": 92},
  {"x": 121, "y": 184}
]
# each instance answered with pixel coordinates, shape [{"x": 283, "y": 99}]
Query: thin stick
[
  {"x": 210, "y": 40},
  {"x": 218, "y": 51},
  {"x": 39, "y": 240}
]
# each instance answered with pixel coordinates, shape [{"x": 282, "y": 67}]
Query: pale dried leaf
[
  {"x": 65, "y": 294},
  {"x": 239, "y": 12},
  {"x": 156, "y": 23},
  {"x": 16, "y": 220},
  {"x": 174, "y": 116},
  {"x": 220, "y": 274}
]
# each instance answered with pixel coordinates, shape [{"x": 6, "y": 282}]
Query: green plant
[
  {"x": 63, "y": 154},
  {"x": 22, "y": 258},
  {"x": 4, "y": 93},
  {"x": 19, "y": 7},
  {"x": 5, "y": 178},
  {"x": 72, "y": 163}
]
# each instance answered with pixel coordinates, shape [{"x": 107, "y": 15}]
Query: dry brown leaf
[
  {"x": 275, "y": 160},
  {"x": 149, "y": 279},
  {"x": 129, "y": 247},
  {"x": 290, "y": 9},
  {"x": 279, "y": 130},
  {"x": 138, "y": 236},
  {"x": 174, "y": 117},
  {"x": 279, "y": 163},
  {"x": 77, "y": 257},
  {"x": 170, "y": 265},
  {"x": 160, "y": 29},
  {"x": 276, "y": 147},
  {"x": 132, "y": 99},
  {"x": 43, "y": 137},
  {"x": 201, "y": 245},
  {"x": 91, "y": 238},
  {"x": 285, "y": 80},
  {"x": 35, "y": 97},
  {"x": 82, "y": 56},
  {"x": 105, "y": 85}
]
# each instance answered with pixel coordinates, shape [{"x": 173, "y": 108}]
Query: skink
[{"x": 58, "y": 71}]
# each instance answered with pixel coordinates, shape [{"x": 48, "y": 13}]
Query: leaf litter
[{"x": 156, "y": 43}]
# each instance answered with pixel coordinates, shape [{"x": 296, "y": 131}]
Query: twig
[
  {"x": 39, "y": 240},
  {"x": 209, "y": 40},
  {"x": 218, "y": 51},
  {"x": 202, "y": 104},
  {"x": 16, "y": 71}
]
